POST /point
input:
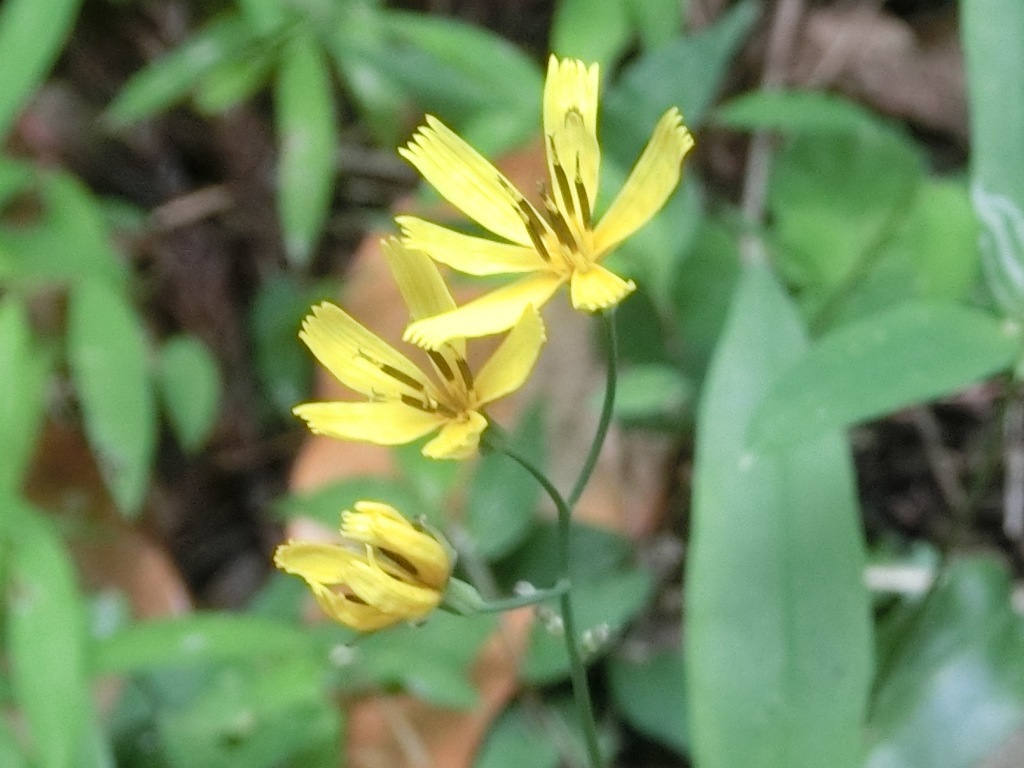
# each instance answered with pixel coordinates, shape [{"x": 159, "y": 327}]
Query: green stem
[
  {"x": 508, "y": 603},
  {"x": 605, "y": 420},
  {"x": 577, "y": 671}
]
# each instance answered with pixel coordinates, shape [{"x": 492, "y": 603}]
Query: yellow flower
[
  {"x": 556, "y": 244},
  {"x": 385, "y": 570},
  {"x": 404, "y": 402}
]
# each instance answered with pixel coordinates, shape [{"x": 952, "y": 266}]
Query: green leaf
[
  {"x": 518, "y": 740},
  {"x": 232, "y": 81},
  {"x": 194, "y": 640},
  {"x": 22, "y": 392},
  {"x": 189, "y": 382},
  {"x": 778, "y": 629},
  {"x": 247, "y": 720},
  {"x": 651, "y": 694},
  {"x": 594, "y": 31},
  {"x": 994, "y": 58},
  {"x": 32, "y": 35},
  {"x": 794, "y": 112},
  {"x": 108, "y": 354},
  {"x": 607, "y": 602},
  {"x": 501, "y": 508},
  {"x": 69, "y": 243},
  {"x": 836, "y": 202},
  {"x": 953, "y": 688},
  {"x": 171, "y": 77},
  {"x": 657, "y": 21},
  {"x": 308, "y": 135},
  {"x": 654, "y": 395},
  {"x": 910, "y": 354},
  {"x": 45, "y": 634},
  {"x": 430, "y": 661},
  {"x": 685, "y": 74}
]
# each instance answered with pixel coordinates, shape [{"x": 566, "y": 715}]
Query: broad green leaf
[
  {"x": 431, "y": 661},
  {"x": 22, "y": 392},
  {"x": 501, "y": 508},
  {"x": 595, "y": 32},
  {"x": 195, "y": 640},
  {"x": 794, "y": 112},
  {"x": 651, "y": 696},
  {"x": 15, "y": 176},
  {"x": 45, "y": 637},
  {"x": 953, "y": 685},
  {"x": 32, "y": 35},
  {"x": 308, "y": 135},
  {"x": 836, "y": 200},
  {"x": 684, "y": 74},
  {"x": 108, "y": 354},
  {"x": 189, "y": 382},
  {"x": 261, "y": 718},
  {"x": 910, "y": 354},
  {"x": 994, "y": 58},
  {"x": 11, "y": 753},
  {"x": 593, "y": 553},
  {"x": 518, "y": 739},
  {"x": 267, "y": 16},
  {"x": 173, "y": 76},
  {"x": 69, "y": 243},
  {"x": 604, "y": 604},
  {"x": 778, "y": 629}
]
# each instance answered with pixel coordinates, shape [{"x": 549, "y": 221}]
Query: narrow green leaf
[
  {"x": 501, "y": 508},
  {"x": 232, "y": 81},
  {"x": 994, "y": 58},
  {"x": 190, "y": 385},
  {"x": 778, "y": 629},
  {"x": 194, "y": 640},
  {"x": 657, "y": 21},
  {"x": 171, "y": 77},
  {"x": 793, "y": 111},
  {"x": 910, "y": 354},
  {"x": 22, "y": 392},
  {"x": 592, "y": 31},
  {"x": 308, "y": 135},
  {"x": 684, "y": 74},
  {"x": 108, "y": 353},
  {"x": 955, "y": 687},
  {"x": 45, "y": 634},
  {"x": 32, "y": 35}
]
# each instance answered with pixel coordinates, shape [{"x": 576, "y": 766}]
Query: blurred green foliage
[{"x": 880, "y": 298}]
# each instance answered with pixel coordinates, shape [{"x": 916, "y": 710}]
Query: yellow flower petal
[
  {"x": 382, "y": 526},
  {"x": 468, "y": 254},
  {"x": 511, "y": 363},
  {"x": 357, "y": 358},
  {"x": 570, "y": 119},
  {"x": 374, "y": 586},
  {"x": 466, "y": 180},
  {"x": 492, "y": 313},
  {"x": 649, "y": 185},
  {"x": 458, "y": 439},
  {"x": 420, "y": 283},
  {"x": 597, "y": 288},
  {"x": 383, "y": 423},
  {"x": 352, "y": 613},
  {"x": 314, "y": 561}
]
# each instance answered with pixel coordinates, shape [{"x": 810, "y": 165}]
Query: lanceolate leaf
[
  {"x": 31, "y": 37},
  {"x": 307, "y": 132},
  {"x": 45, "y": 635},
  {"x": 910, "y": 354},
  {"x": 22, "y": 392},
  {"x": 107, "y": 351},
  {"x": 777, "y": 624}
]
